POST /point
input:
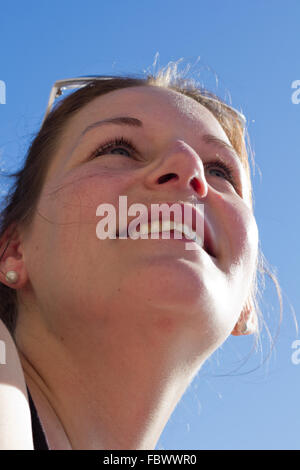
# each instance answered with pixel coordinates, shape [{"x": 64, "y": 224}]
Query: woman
[{"x": 105, "y": 335}]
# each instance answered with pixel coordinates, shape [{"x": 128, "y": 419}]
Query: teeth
[{"x": 166, "y": 226}]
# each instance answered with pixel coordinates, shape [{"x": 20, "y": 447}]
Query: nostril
[
  {"x": 195, "y": 184},
  {"x": 167, "y": 177},
  {"x": 199, "y": 185}
]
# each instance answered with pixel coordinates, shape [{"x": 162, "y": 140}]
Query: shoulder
[{"x": 15, "y": 418}]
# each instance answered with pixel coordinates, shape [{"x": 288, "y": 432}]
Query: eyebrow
[
  {"x": 121, "y": 120},
  {"x": 211, "y": 139}
]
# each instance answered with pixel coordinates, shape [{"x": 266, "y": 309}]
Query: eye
[
  {"x": 221, "y": 169},
  {"x": 120, "y": 146}
]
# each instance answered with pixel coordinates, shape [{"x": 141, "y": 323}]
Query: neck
[{"x": 101, "y": 396}]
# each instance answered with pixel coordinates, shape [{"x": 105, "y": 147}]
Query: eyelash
[
  {"x": 119, "y": 141},
  {"x": 123, "y": 142}
]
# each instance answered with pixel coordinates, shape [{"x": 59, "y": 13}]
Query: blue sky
[{"x": 253, "y": 49}]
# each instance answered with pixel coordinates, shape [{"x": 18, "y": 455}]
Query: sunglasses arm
[{"x": 52, "y": 97}]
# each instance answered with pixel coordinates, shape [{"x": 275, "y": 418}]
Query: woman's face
[{"x": 146, "y": 292}]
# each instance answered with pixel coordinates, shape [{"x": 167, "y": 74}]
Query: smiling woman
[{"x": 116, "y": 329}]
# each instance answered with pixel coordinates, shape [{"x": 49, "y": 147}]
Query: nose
[{"x": 181, "y": 168}]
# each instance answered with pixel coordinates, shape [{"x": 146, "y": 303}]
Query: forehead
[{"x": 159, "y": 108}]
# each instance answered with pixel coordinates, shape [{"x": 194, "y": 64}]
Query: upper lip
[{"x": 209, "y": 239}]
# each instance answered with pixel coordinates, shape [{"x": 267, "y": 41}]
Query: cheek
[
  {"x": 63, "y": 231},
  {"x": 242, "y": 235},
  {"x": 75, "y": 198},
  {"x": 66, "y": 219}
]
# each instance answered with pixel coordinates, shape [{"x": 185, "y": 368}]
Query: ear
[
  {"x": 11, "y": 257},
  {"x": 247, "y": 322}
]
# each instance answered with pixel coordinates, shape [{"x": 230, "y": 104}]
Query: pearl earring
[{"x": 12, "y": 277}]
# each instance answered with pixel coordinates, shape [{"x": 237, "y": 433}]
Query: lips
[{"x": 202, "y": 228}]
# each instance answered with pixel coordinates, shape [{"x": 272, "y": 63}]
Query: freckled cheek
[{"x": 76, "y": 200}]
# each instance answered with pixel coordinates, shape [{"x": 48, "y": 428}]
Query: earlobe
[
  {"x": 247, "y": 322},
  {"x": 12, "y": 268}
]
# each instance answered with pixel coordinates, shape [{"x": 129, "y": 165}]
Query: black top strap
[{"x": 39, "y": 438}]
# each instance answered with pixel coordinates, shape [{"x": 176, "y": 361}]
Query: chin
[{"x": 176, "y": 285}]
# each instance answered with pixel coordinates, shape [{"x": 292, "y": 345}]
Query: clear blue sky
[{"x": 253, "y": 49}]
